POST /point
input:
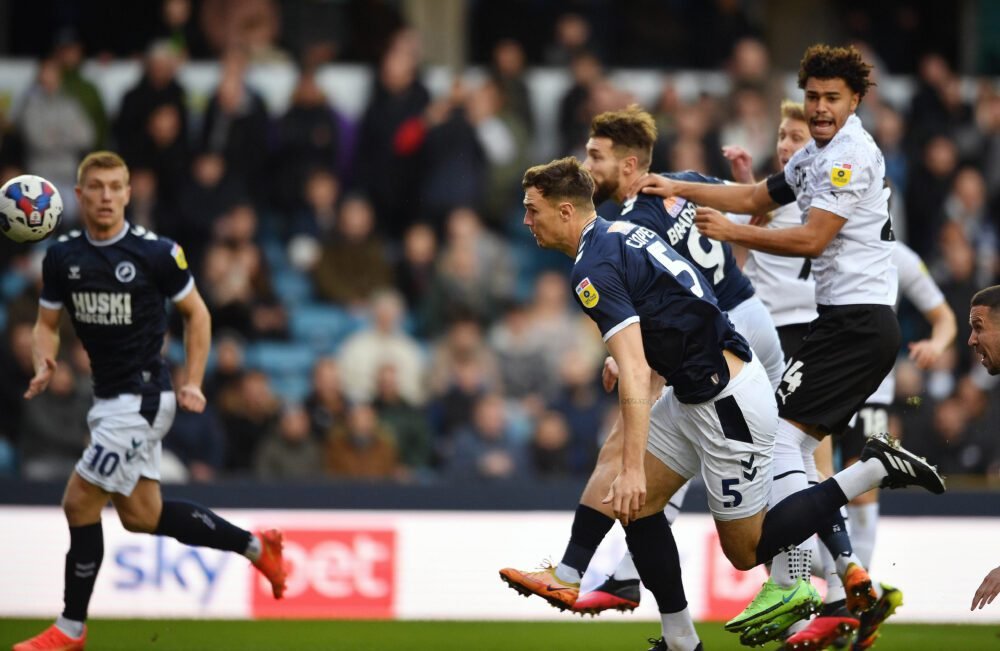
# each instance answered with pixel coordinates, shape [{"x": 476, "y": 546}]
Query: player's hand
[
  {"x": 740, "y": 163},
  {"x": 41, "y": 380},
  {"x": 627, "y": 495},
  {"x": 712, "y": 223},
  {"x": 609, "y": 376},
  {"x": 924, "y": 353},
  {"x": 661, "y": 186},
  {"x": 988, "y": 591},
  {"x": 761, "y": 220},
  {"x": 190, "y": 398}
]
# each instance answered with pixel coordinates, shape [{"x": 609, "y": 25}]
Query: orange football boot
[
  {"x": 861, "y": 595},
  {"x": 52, "y": 639},
  {"x": 542, "y": 582},
  {"x": 270, "y": 563}
]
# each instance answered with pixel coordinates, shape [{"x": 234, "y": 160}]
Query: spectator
[
  {"x": 249, "y": 416},
  {"x": 198, "y": 440},
  {"x": 571, "y": 38},
  {"x": 326, "y": 403},
  {"x": 582, "y": 404},
  {"x": 17, "y": 367},
  {"x": 407, "y": 421},
  {"x": 415, "y": 269},
  {"x": 69, "y": 55},
  {"x": 230, "y": 357},
  {"x": 352, "y": 264},
  {"x": 550, "y": 449},
  {"x": 524, "y": 372},
  {"x": 362, "y": 447},
  {"x": 364, "y": 352},
  {"x": 930, "y": 179},
  {"x": 290, "y": 453},
  {"x": 507, "y": 69},
  {"x": 574, "y": 118},
  {"x": 486, "y": 449},
  {"x": 179, "y": 27},
  {"x": 965, "y": 206},
  {"x": 56, "y": 130},
  {"x": 210, "y": 191},
  {"x": 54, "y": 427}
]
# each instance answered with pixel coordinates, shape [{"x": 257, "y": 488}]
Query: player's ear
[
  {"x": 855, "y": 100},
  {"x": 566, "y": 210}
]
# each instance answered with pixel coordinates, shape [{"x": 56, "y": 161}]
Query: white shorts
[
  {"x": 123, "y": 445},
  {"x": 753, "y": 321},
  {"x": 729, "y": 439}
]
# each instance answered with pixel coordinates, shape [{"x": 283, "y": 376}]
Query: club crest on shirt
[
  {"x": 587, "y": 293},
  {"x": 125, "y": 271},
  {"x": 179, "y": 258},
  {"x": 840, "y": 175},
  {"x": 673, "y": 205},
  {"x": 621, "y": 227}
]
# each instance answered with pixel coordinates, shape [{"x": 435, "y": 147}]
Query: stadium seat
[
  {"x": 291, "y": 388},
  {"x": 323, "y": 327},
  {"x": 292, "y": 287},
  {"x": 279, "y": 359},
  {"x": 11, "y": 285}
]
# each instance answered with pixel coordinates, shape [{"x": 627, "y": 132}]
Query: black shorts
[
  {"x": 843, "y": 359},
  {"x": 872, "y": 419},
  {"x": 791, "y": 337}
]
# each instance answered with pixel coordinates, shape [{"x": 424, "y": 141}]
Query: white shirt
[
  {"x": 847, "y": 177},
  {"x": 921, "y": 290},
  {"x": 777, "y": 279}
]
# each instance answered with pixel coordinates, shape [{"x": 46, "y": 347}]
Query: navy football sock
[
  {"x": 654, "y": 551},
  {"x": 797, "y": 517},
  {"x": 835, "y": 537},
  {"x": 589, "y": 528},
  {"x": 193, "y": 524},
  {"x": 83, "y": 560}
]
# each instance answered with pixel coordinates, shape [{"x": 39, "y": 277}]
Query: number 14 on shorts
[{"x": 791, "y": 379}]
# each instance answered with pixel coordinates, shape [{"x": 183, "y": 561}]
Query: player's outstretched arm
[
  {"x": 806, "y": 241},
  {"x": 738, "y": 198},
  {"x": 943, "y": 330},
  {"x": 197, "y": 341},
  {"x": 627, "y": 494},
  {"x": 44, "y": 347},
  {"x": 988, "y": 590}
]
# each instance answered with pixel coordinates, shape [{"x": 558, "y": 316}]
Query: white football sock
[
  {"x": 70, "y": 627},
  {"x": 567, "y": 574},
  {"x": 254, "y": 548},
  {"x": 860, "y": 477},
  {"x": 862, "y": 523},
  {"x": 790, "y": 477},
  {"x": 626, "y": 570},
  {"x": 678, "y": 631}
]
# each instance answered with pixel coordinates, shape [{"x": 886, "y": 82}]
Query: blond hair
[
  {"x": 791, "y": 110},
  {"x": 104, "y": 160}
]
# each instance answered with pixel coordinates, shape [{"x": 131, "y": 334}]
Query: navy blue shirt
[
  {"x": 625, "y": 273},
  {"x": 673, "y": 220},
  {"x": 115, "y": 292}
]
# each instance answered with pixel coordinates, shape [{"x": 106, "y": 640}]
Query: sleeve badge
[
  {"x": 178, "y": 254},
  {"x": 587, "y": 293},
  {"x": 840, "y": 175}
]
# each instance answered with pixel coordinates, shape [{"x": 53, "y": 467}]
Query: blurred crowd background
[{"x": 379, "y": 311}]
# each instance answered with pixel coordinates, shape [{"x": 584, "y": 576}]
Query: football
[{"x": 30, "y": 208}]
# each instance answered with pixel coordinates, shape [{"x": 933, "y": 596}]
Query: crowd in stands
[{"x": 378, "y": 310}]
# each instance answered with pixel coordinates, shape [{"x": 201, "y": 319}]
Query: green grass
[{"x": 168, "y": 635}]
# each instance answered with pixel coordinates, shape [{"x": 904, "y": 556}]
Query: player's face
[
  {"x": 605, "y": 167},
  {"x": 985, "y": 337},
  {"x": 792, "y": 136},
  {"x": 103, "y": 194},
  {"x": 828, "y": 104},
  {"x": 541, "y": 218}
]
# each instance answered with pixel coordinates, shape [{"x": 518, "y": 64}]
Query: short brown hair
[
  {"x": 827, "y": 62},
  {"x": 989, "y": 297},
  {"x": 104, "y": 160},
  {"x": 791, "y": 110},
  {"x": 631, "y": 128},
  {"x": 564, "y": 178}
]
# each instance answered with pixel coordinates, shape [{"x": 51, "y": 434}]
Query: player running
[{"x": 114, "y": 280}]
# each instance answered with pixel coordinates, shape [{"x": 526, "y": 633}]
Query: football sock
[
  {"x": 676, "y": 503},
  {"x": 789, "y": 478},
  {"x": 863, "y": 520},
  {"x": 626, "y": 569},
  {"x": 83, "y": 560},
  {"x": 589, "y": 528},
  {"x": 797, "y": 517},
  {"x": 193, "y": 524},
  {"x": 861, "y": 477},
  {"x": 678, "y": 631},
  {"x": 254, "y": 549},
  {"x": 70, "y": 627},
  {"x": 654, "y": 551},
  {"x": 834, "y": 586}
]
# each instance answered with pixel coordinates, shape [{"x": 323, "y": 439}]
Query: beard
[{"x": 605, "y": 190}]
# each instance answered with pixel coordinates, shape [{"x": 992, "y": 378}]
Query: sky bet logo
[
  {"x": 103, "y": 308},
  {"x": 163, "y": 565}
]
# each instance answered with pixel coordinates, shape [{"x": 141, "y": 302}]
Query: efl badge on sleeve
[
  {"x": 179, "y": 258},
  {"x": 840, "y": 175},
  {"x": 587, "y": 293}
]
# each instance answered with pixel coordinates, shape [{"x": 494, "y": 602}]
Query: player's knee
[
  {"x": 137, "y": 522},
  {"x": 742, "y": 557}
]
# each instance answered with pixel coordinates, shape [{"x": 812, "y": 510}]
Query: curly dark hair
[
  {"x": 632, "y": 129},
  {"x": 564, "y": 178},
  {"x": 827, "y": 62}
]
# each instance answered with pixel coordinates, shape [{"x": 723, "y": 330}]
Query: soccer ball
[{"x": 30, "y": 208}]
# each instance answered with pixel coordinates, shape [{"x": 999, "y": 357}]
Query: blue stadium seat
[
  {"x": 291, "y": 388},
  {"x": 323, "y": 327},
  {"x": 292, "y": 287},
  {"x": 279, "y": 359},
  {"x": 11, "y": 285}
]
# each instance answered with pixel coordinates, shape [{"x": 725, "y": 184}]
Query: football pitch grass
[{"x": 286, "y": 635}]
